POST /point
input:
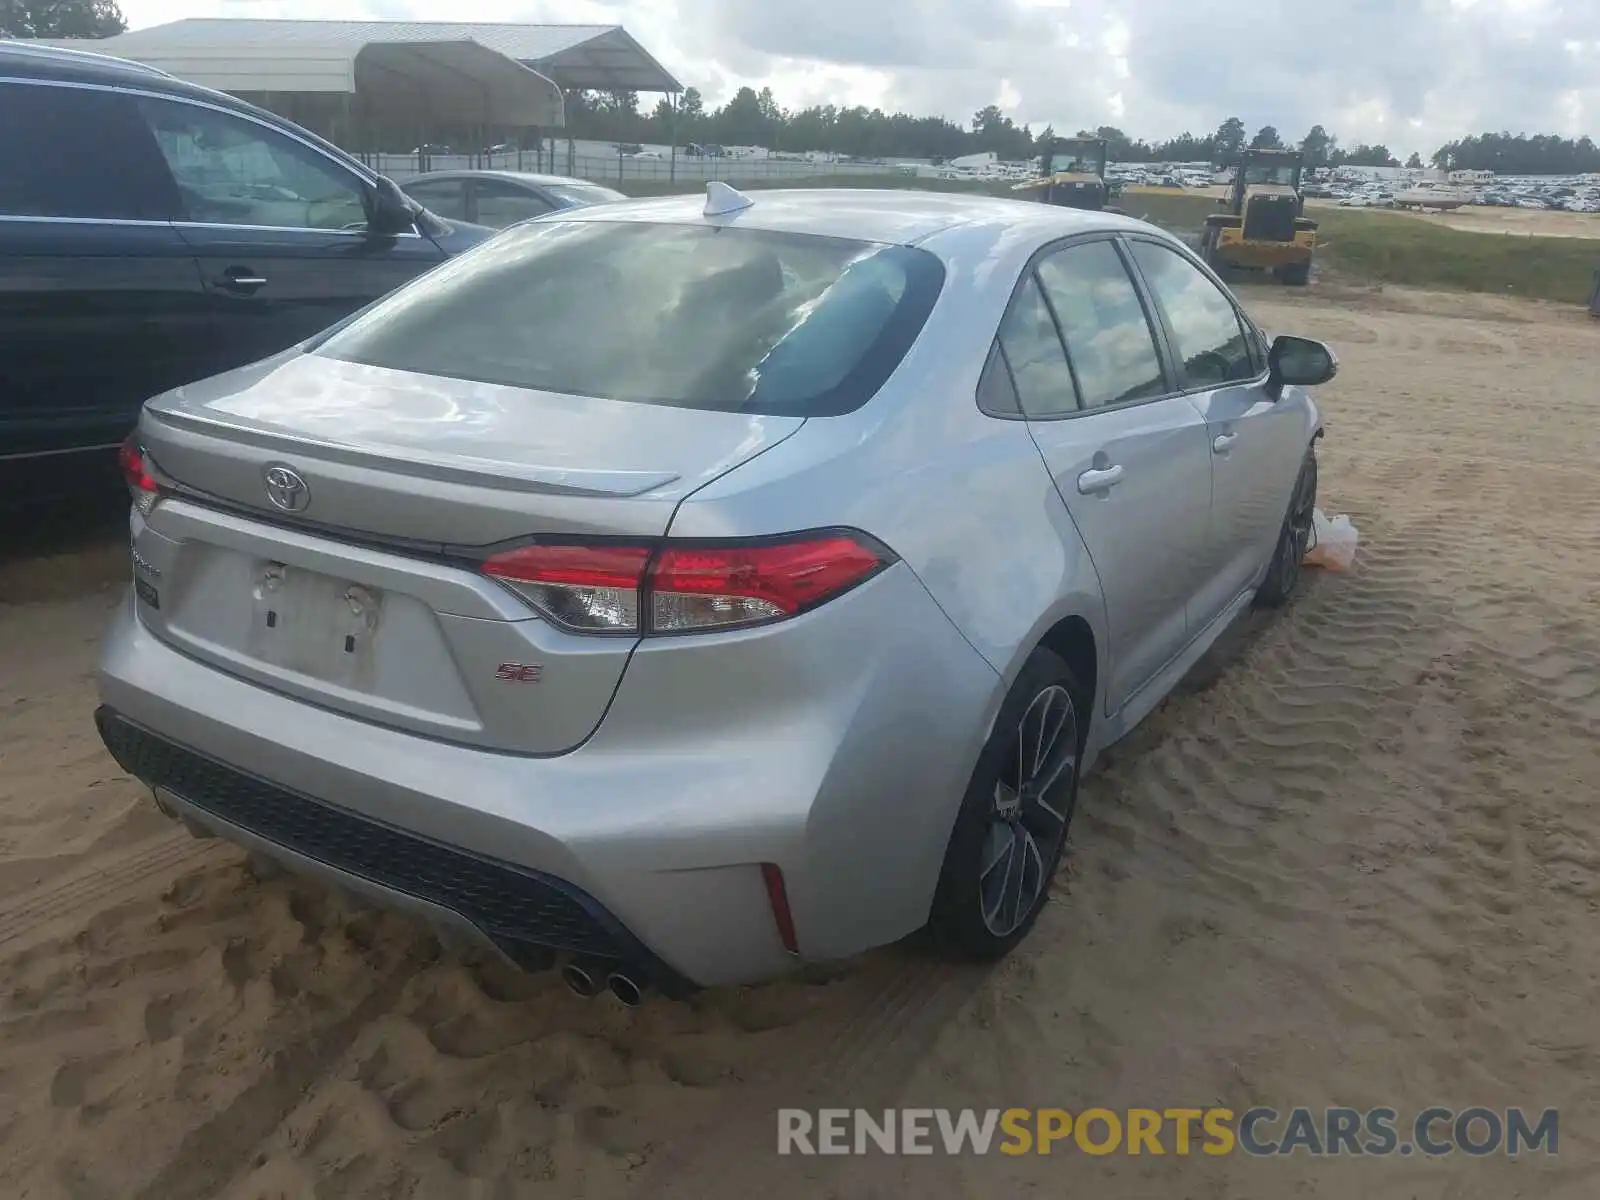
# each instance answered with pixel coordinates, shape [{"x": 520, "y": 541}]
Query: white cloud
[{"x": 1414, "y": 73}]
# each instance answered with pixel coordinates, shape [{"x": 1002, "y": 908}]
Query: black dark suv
[{"x": 153, "y": 233}]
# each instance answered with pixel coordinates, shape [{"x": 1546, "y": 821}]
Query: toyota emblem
[{"x": 286, "y": 490}]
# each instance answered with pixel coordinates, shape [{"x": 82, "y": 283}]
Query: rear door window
[
  {"x": 573, "y": 194},
  {"x": 734, "y": 320},
  {"x": 71, "y": 152},
  {"x": 997, "y": 395},
  {"x": 1032, "y": 349},
  {"x": 1109, "y": 339},
  {"x": 501, "y": 203}
]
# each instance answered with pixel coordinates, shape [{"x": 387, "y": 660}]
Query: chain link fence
[{"x": 655, "y": 166}]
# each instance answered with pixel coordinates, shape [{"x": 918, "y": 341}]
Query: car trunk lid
[
  {"x": 388, "y": 453},
  {"x": 367, "y": 600}
]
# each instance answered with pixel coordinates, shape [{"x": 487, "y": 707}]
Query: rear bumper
[
  {"x": 837, "y": 747},
  {"x": 527, "y": 915}
]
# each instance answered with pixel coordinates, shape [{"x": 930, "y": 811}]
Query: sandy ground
[{"x": 1356, "y": 861}]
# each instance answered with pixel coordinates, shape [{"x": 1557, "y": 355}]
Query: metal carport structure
[{"x": 359, "y": 82}]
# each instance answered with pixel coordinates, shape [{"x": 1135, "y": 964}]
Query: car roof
[
  {"x": 81, "y": 64},
  {"x": 895, "y": 216},
  {"x": 515, "y": 176}
]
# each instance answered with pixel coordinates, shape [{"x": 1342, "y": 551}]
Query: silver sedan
[
  {"x": 497, "y": 199},
  {"x": 682, "y": 589}
]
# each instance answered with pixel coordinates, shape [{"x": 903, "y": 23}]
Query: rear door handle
[
  {"x": 1223, "y": 442},
  {"x": 1093, "y": 483},
  {"x": 241, "y": 279}
]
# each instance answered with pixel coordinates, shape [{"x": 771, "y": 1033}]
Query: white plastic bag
[{"x": 1333, "y": 542}]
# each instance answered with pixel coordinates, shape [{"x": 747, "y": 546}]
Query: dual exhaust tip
[{"x": 586, "y": 979}]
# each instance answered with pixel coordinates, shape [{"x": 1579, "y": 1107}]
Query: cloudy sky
[{"x": 1408, "y": 73}]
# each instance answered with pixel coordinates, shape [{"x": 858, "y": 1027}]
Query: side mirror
[
  {"x": 1299, "y": 362},
  {"x": 391, "y": 213}
]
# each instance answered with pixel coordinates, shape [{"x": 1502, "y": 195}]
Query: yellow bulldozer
[
  {"x": 1072, "y": 174},
  {"x": 1265, "y": 227}
]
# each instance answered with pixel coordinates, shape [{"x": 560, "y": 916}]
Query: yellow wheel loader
[
  {"x": 1265, "y": 227},
  {"x": 1072, "y": 174}
]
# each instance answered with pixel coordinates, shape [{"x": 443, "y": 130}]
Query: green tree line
[
  {"x": 752, "y": 118},
  {"x": 1520, "y": 154}
]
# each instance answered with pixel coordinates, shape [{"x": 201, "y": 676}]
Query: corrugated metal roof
[{"x": 604, "y": 57}]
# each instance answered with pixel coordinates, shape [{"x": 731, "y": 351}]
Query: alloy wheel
[
  {"x": 1296, "y": 537},
  {"x": 1032, "y": 804}
]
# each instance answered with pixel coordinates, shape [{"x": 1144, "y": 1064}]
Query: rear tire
[
  {"x": 1295, "y": 274},
  {"x": 1294, "y": 539},
  {"x": 1013, "y": 821}
]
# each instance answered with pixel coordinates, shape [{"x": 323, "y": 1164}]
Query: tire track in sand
[
  {"x": 1199, "y": 784},
  {"x": 100, "y": 882},
  {"x": 897, "y": 1008}
]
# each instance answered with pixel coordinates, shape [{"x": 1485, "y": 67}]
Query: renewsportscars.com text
[{"x": 1257, "y": 1132}]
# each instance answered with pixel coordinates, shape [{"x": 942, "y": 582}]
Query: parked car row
[{"x": 1353, "y": 188}]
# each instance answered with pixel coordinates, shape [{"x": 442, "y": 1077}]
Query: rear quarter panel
[{"x": 963, "y": 498}]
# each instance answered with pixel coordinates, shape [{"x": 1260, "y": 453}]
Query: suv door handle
[
  {"x": 241, "y": 279},
  {"x": 1223, "y": 442},
  {"x": 1092, "y": 483}
]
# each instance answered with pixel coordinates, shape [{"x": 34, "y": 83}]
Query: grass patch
[
  {"x": 1390, "y": 248},
  {"x": 1361, "y": 246}
]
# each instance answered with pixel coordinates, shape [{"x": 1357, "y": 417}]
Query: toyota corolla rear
[{"x": 408, "y": 607}]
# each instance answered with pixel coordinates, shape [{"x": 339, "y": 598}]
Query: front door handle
[
  {"x": 241, "y": 279},
  {"x": 1097, "y": 483},
  {"x": 1223, "y": 442}
]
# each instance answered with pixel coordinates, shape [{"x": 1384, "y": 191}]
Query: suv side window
[
  {"x": 1032, "y": 349},
  {"x": 1209, "y": 340},
  {"x": 79, "y": 152},
  {"x": 231, "y": 171},
  {"x": 1109, "y": 337}
]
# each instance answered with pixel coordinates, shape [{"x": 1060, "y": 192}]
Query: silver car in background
[
  {"x": 684, "y": 588},
  {"x": 496, "y": 199}
]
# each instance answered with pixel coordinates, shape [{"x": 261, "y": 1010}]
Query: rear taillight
[
  {"x": 142, "y": 486},
  {"x": 684, "y": 587},
  {"x": 588, "y": 589},
  {"x": 704, "y": 587}
]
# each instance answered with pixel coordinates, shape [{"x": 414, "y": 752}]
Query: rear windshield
[
  {"x": 727, "y": 319},
  {"x": 579, "y": 193}
]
